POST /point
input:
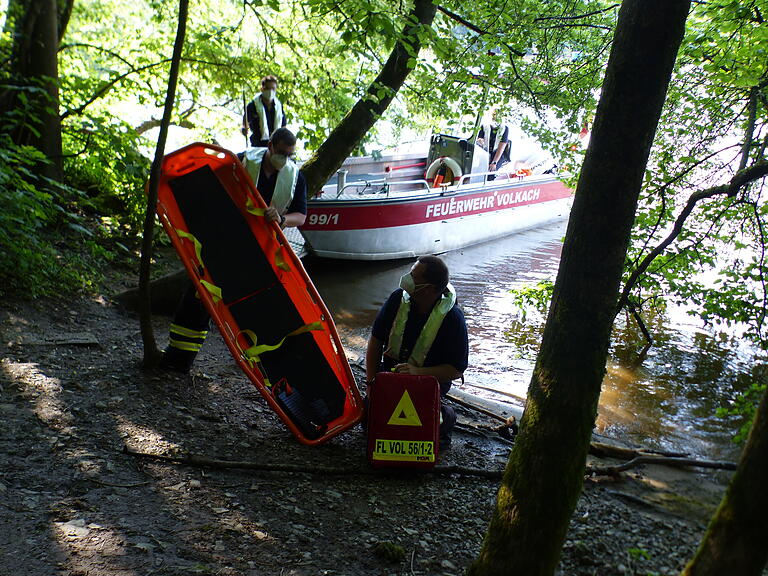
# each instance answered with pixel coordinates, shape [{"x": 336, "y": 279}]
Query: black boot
[{"x": 448, "y": 421}]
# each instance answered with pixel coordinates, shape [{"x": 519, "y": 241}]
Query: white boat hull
[{"x": 383, "y": 227}]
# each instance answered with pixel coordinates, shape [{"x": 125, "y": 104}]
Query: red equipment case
[{"x": 403, "y": 421}]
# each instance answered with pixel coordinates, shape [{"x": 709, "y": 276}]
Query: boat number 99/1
[{"x": 323, "y": 219}]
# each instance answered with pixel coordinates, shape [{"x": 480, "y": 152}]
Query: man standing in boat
[
  {"x": 494, "y": 137},
  {"x": 421, "y": 330},
  {"x": 264, "y": 114},
  {"x": 284, "y": 190}
]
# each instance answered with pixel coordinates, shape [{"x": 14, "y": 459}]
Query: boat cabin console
[{"x": 466, "y": 155}]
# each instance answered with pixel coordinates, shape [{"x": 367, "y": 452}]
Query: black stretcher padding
[
  {"x": 230, "y": 251},
  {"x": 256, "y": 299},
  {"x": 299, "y": 359}
]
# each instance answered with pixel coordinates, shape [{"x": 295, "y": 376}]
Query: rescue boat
[{"x": 406, "y": 205}]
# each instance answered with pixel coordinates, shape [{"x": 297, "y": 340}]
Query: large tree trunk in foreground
[
  {"x": 340, "y": 143},
  {"x": 736, "y": 541},
  {"x": 544, "y": 475},
  {"x": 34, "y": 70},
  {"x": 151, "y": 352}
]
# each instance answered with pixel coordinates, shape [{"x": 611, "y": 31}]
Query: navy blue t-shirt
[
  {"x": 266, "y": 187},
  {"x": 450, "y": 346}
]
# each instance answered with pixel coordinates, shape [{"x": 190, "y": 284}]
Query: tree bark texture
[
  {"x": 343, "y": 139},
  {"x": 34, "y": 65},
  {"x": 151, "y": 352},
  {"x": 544, "y": 475},
  {"x": 736, "y": 541}
]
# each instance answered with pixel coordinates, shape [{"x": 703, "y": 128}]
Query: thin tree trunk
[
  {"x": 151, "y": 352},
  {"x": 340, "y": 143},
  {"x": 543, "y": 478},
  {"x": 736, "y": 541},
  {"x": 65, "y": 13}
]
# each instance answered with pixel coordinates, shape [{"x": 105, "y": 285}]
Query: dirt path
[{"x": 72, "y": 503}]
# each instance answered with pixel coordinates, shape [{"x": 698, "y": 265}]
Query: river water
[{"x": 668, "y": 401}]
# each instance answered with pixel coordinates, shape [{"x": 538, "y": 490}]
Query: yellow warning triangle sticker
[{"x": 405, "y": 413}]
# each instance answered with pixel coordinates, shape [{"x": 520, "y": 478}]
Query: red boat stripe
[{"x": 367, "y": 214}]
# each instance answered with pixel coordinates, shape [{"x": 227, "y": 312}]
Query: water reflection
[{"x": 669, "y": 401}]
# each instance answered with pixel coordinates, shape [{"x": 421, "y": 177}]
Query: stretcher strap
[
  {"x": 198, "y": 247},
  {"x": 213, "y": 290},
  {"x": 252, "y": 354},
  {"x": 251, "y": 209},
  {"x": 279, "y": 260}
]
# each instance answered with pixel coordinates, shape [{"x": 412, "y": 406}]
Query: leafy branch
[
  {"x": 107, "y": 86},
  {"x": 740, "y": 179},
  {"x": 577, "y": 16},
  {"x": 475, "y": 28}
]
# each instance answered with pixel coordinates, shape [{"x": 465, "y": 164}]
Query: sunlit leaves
[{"x": 712, "y": 264}]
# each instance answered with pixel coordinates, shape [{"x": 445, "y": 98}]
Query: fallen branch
[
  {"x": 603, "y": 450},
  {"x": 205, "y": 462},
  {"x": 477, "y": 408},
  {"x": 506, "y": 430},
  {"x": 116, "y": 485},
  {"x": 658, "y": 460},
  {"x": 497, "y": 391}
]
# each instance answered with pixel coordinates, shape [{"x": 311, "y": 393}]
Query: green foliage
[
  {"x": 716, "y": 266},
  {"x": 744, "y": 407},
  {"x": 110, "y": 171},
  {"x": 533, "y": 297},
  {"x": 34, "y": 232},
  {"x": 523, "y": 332}
]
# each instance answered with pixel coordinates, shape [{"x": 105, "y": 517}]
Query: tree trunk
[
  {"x": 340, "y": 143},
  {"x": 544, "y": 475},
  {"x": 151, "y": 352},
  {"x": 736, "y": 540},
  {"x": 34, "y": 65}
]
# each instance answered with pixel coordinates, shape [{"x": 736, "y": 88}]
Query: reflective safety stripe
[
  {"x": 183, "y": 338},
  {"x": 428, "y": 332},
  {"x": 261, "y": 112},
  {"x": 286, "y": 178},
  {"x": 185, "y": 345},
  {"x": 182, "y": 331}
]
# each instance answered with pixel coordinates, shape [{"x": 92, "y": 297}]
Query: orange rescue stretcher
[{"x": 257, "y": 292}]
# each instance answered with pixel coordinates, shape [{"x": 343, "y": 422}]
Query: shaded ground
[{"x": 72, "y": 503}]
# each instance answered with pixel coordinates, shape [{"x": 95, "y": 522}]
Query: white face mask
[
  {"x": 408, "y": 285},
  {"x": 278, "y": 160},
  {"x": 268, "y": 95}
]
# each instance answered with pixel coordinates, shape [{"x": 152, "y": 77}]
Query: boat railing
[
  {"x": 382, "y": 186},
  {"x": 499, "y": 177}
]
